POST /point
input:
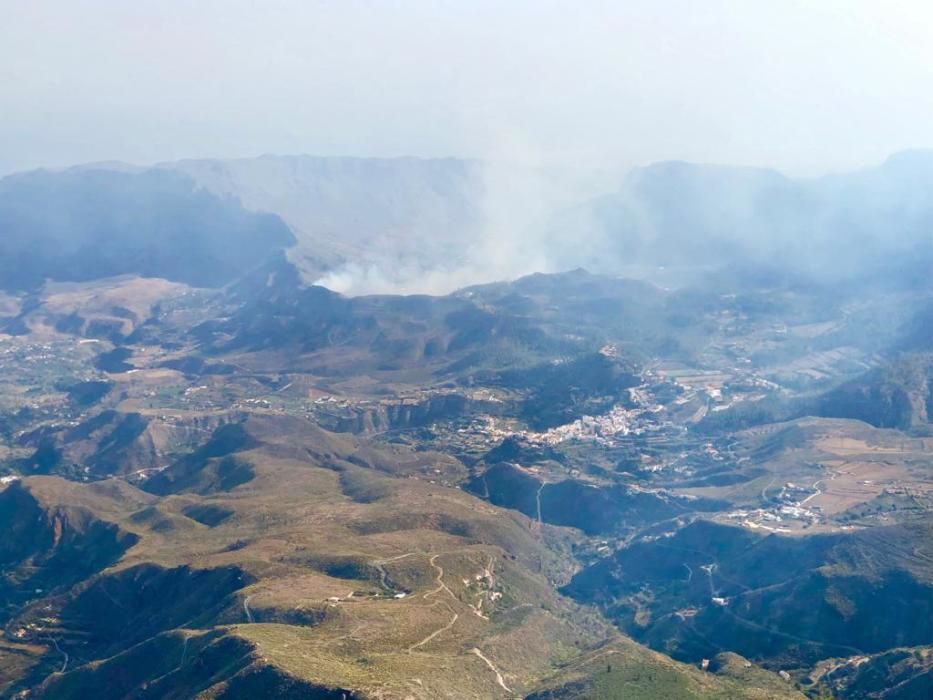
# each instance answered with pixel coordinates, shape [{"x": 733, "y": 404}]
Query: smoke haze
[
  {"x": 801, "y": 86},
  {"x": 523, "y": 128}
]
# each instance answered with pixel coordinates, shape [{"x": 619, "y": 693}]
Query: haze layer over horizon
[{"x": 800, "y": 88}]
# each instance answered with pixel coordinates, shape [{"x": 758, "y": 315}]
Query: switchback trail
[{"x": 441, "y": 586}]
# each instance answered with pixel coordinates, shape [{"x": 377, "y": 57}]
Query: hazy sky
[{"x": 805, "y": 86}]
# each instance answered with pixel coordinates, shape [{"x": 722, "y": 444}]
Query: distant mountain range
[
  {"x": 82, "y": 225},
  {"x": 677, "y": 213},
  {"x": 205, "y": 222}
]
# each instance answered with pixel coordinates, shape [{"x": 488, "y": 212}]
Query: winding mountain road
[{"x": 441, "y": 586}]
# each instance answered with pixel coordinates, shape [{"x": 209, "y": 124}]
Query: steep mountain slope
[
  {"x": 623, "y": 671},
  {"x": 185, "y": 664},
  {"x": 50, "y": 546},
  {"x": 896, "y": 395},
  {"x": 775, "y": 599},
  {"x": 85, "y": 224},
  {"x": 898, "y": 674},
  {"x": 111, "y": 442}
]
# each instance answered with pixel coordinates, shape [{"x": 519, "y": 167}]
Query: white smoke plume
[{"x": 514, "y": 233}]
